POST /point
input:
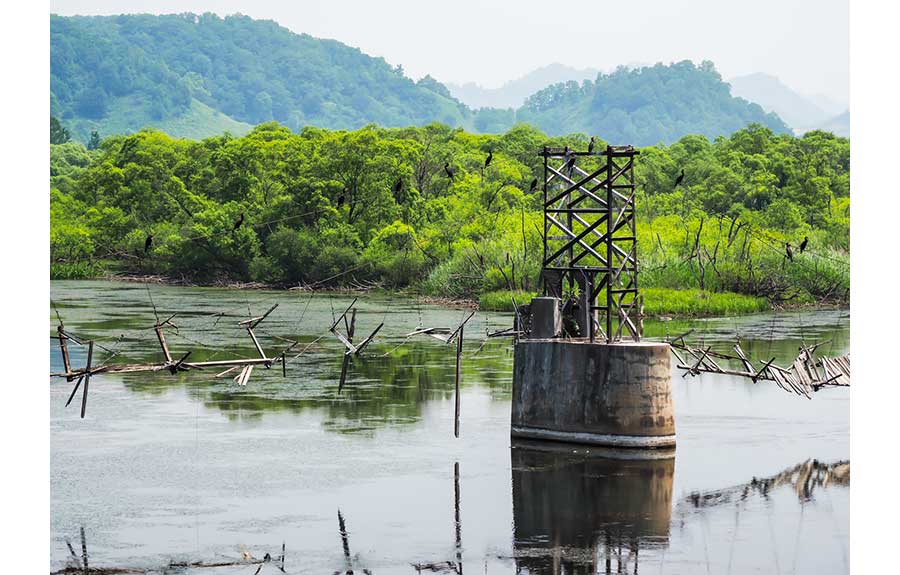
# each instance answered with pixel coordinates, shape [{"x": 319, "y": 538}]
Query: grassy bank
[{"x": 657, "y": 301}]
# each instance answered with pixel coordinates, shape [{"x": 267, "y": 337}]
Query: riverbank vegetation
[{"x": 376, "y": 207}]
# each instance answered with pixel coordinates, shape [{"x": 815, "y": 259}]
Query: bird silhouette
[
  {"x": 804, "y": 243},
  {"x": 789, "y": 251},
  {"x": 591, "y": 145},
  {"x": 570, "y": 164},
  {"x": 238, "y": 223},
  {"x": 449, "y": 170},
  {"x": 148, "y": 243},
  {"x": 534, "y": 184},
  {"x": 680, "y": 178},
  {"x": 490, "y": 156}
]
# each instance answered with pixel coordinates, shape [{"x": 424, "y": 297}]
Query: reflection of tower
[{"x": 588, "y": 510}]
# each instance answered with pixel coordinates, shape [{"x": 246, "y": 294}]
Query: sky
[{"x": 805, "y": 43}]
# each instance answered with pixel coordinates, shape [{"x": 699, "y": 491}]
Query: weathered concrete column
[
  {"x": 546, "y": 320},
  {"x": 617, "y": 395}
]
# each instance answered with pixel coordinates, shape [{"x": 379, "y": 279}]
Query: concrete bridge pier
[{"x": 609, "y": 394}]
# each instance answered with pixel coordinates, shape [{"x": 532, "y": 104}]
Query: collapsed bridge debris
[
  {"x": 805, "y": 376},
  {"x": 169, "y": 363}
]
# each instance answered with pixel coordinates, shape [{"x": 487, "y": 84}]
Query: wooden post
[
  {"x": 459, "y": 347},
  {"x": 87, "y": 379},
  {"x": 74, "y": 389},
  {"x": 84, "y": 556},
  {"x": 457, "y": 521},
  {"x": 64, "y": 348},
  {"x": 162, "y": 342},
  {"x": 345, "y": 364}
]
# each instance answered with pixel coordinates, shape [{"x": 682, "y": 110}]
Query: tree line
[{"x": 416, "y": 208}]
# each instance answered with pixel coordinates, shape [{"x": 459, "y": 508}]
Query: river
[{"x": 192, "y": 468}]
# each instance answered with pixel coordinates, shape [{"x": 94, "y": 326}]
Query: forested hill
[
  {"x": 647, "y": 105},
  {"x": 120, "y": 73},
  {"x": 201, "y": 75}
]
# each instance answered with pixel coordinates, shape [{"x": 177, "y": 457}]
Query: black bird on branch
[
  {"x": 789, "y": 251},
  {"x": 148, "y": 243},
  {"x": 534, "y": 184},
  {"x": 490, "y": 156},
  {"x": 680, "y": 178},
  {"x": 449, "y": 170},
  {"x": 591, "y": 145},
  {"x": 238, "y": 223},
  {"x": 804, "y": 243}
]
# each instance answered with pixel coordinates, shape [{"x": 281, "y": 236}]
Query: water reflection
[
  {"x": 804, "y": 479},
  {"x": 588, "y": 510}
]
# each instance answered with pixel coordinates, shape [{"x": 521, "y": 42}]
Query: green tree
[
  {"x": 58, "y": 133},
  {"x": 94, "y": 141}
]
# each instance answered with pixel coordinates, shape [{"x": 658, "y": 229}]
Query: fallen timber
[
  {"x": 169, "y": 364},
  {"x": 805, "y": 376}
]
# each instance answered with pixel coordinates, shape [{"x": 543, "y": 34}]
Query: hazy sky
[{"x": 803, "y": 42}]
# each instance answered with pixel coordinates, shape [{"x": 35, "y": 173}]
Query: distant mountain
[
  {"x": 838, "y": 125},
  {"x": 828, "y": 105},
  {"x": 200, "y": 75},
  {"x": 513, "y": 93},
  {"x": 124, "y": 72},
  {"x": 647, "y": 105},
  {"x": 770, "y": 93}
]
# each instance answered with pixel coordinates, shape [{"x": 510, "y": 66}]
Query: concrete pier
[{"x": 616, "y": 395}]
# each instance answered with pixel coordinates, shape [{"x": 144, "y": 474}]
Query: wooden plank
[
  {"x": 259, "y": 348},
  {"x": 368, "y": 340},
  {"x": 253, "y": 322},
  {"x": 226, "y": 372},
  {"x": 340, "y": 317},
  {"x": 162, "y": 342},
  {"x": 74, "y": 389}
]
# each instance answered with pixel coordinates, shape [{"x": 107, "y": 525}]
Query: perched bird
[
  {"x": 342, "y": 198},
  {"x": 449, "y": 170},
  {"x": 591, "y": 145},
  {"x": 238, "y": 223},
  {"x": 680, "y": 178},
  {"x": 148, "y": 242},
  {"x": 534, "y": 183},
  {"x": 789, "y": 251},
  {"x": 570, "y": 164},
  {"x": 803, "y": 243},
  {"x": 490, "y": 156}
]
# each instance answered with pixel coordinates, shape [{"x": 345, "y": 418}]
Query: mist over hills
[
  {"x": 199, "y": 75},
  {"x": 513, "y": 94},
  {"x": 801, "y": 113}
]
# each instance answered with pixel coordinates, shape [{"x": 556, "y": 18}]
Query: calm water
[{"x": 192, "y": 468}]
